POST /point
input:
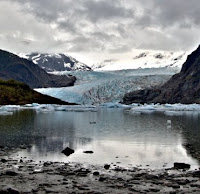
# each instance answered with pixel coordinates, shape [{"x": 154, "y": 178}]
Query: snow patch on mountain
[
  {"x": 55, "y": 62},
  {"x": 143, "y": 59}
]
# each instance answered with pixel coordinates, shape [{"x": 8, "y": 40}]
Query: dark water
[{"x": 113, "y": 136}]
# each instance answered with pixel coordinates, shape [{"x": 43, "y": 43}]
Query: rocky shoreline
[{"x": 27, "y": 176}]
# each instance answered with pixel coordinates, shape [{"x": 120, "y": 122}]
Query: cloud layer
[{"x": 107, "y": 26}]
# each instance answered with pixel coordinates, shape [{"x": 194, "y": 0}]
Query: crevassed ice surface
[{"x": 100, "y": 87}]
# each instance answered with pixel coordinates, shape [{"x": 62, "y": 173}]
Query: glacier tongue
[{"x": 101, "y": 87}]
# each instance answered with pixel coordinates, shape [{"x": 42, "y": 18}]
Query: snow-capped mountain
[
  {"x": 143, "y": 59},
  {"x": 55, "y": 62}
]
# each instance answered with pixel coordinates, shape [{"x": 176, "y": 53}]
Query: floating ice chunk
[
  {"x": 182, "y": 107},
  {"x": 45, "y": 108},
  {"x": 31, "y": 105},
  {"x": 135, "y": 113},
  {"x": 11, "y": 107},
  {"x": 76, "y": 108},
  {"x": 113, "y": 105},
  {"x": 60, "y": 108},
  {"x": 6, "y": 113},
  {"x": 173, "y": 113},
  {"x": 167, "y": 109}
]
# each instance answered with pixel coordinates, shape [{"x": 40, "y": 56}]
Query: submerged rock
[
  {"x": 68, "y": 151},
  {"x": 88, "y": 152}
]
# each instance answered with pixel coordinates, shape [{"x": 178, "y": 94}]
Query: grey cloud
[
  {"x": 106, "y": 10},
  {"x": 166, "y": 13},
  {"x": 96, "y": 25}
]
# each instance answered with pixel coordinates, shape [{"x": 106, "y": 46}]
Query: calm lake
[{"x": 113, "y": 135}]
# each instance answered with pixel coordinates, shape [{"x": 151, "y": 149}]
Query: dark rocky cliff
[
  {"x": 183, "y": 87},
  {"x": 23, "y": 70}
]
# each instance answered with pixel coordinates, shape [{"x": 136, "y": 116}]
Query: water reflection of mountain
[
  {"x": 143, "y": 138},
  {"x": 18, "y": 129},
  {"x": 40, "y": 132},
  {"x": 190, "y": 126}
]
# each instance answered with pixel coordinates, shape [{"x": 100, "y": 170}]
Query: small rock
[
  {"x": 96, "y": 173},
  {"x": 68, "y": 151},
  {"x": 102, "y": 178},
  {"x": 22, "y": 147},
  {"x": 182, "y": 182},
  {"x": 88, "y": 152},
  {"x": 106, "y": 166},
  {"x": 11, "y": 173},
  {"x": 12, "y": 191},
  {"x": 173, "y": 185},
  {"x": 196, "y": 174},
  {"x": 195, "y": 185},
  {"x": 3, "y": 160},
  {"x": 92, "y": 122},
  {"x": 181, "y": 165},
  {"x": 154, "y": 190},
  {"x": 151, "y": 176}
]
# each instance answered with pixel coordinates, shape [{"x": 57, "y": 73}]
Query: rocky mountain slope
[
  {"x": 13, "y": 92},
  {"x": 56, "y": 62},
  {"x": 143, "y": 59},
  {"x": 183, "y": 87},
  {"x": 23, "y": 70}
]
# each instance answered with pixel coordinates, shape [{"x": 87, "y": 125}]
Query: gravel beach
[{"x": 27, "y": 176}]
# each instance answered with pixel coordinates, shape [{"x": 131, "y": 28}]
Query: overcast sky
[{"x": 99, "y": 27}]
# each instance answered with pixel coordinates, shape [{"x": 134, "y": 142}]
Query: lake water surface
[{"x": 113, "y": 135}]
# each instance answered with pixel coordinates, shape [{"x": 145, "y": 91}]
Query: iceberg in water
[{"x": 167, "y": 109}]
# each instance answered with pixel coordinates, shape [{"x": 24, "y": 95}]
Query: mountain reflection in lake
[{"x": 113, "y": 135}]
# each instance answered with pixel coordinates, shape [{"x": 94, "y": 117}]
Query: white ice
[
  {"x": 101, "y": 87},
  {"x": 167, "y": 109}
]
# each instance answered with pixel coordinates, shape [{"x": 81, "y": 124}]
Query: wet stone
[
  {"x": 3, "y": 160},
  {"x": 196, "y": 174},
  {"x": 182, "y": 182},
  {"x": 102, "y": 178},
  {"x": 11, "y": 173},
  {"x": 178, "y": 165},
  {"x": 9, "y": 191},
  {"x": 88, "y": 152},
  {"x": 68, "y": 151},
  {"x": 96, "y": 173},
  {"x": 154, "y": 190},
  {"x": 106, "y": 166}
]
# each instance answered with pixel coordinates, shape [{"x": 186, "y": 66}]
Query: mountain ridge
[
  {"x": 142, "y": 59},
  {"x": 23, "y": 70},
  {"x": 55, "y": 62},
  {"x": 183, "y": 87}
]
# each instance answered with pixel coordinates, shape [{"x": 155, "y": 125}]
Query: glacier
[{"x": 94, "y": 88}]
